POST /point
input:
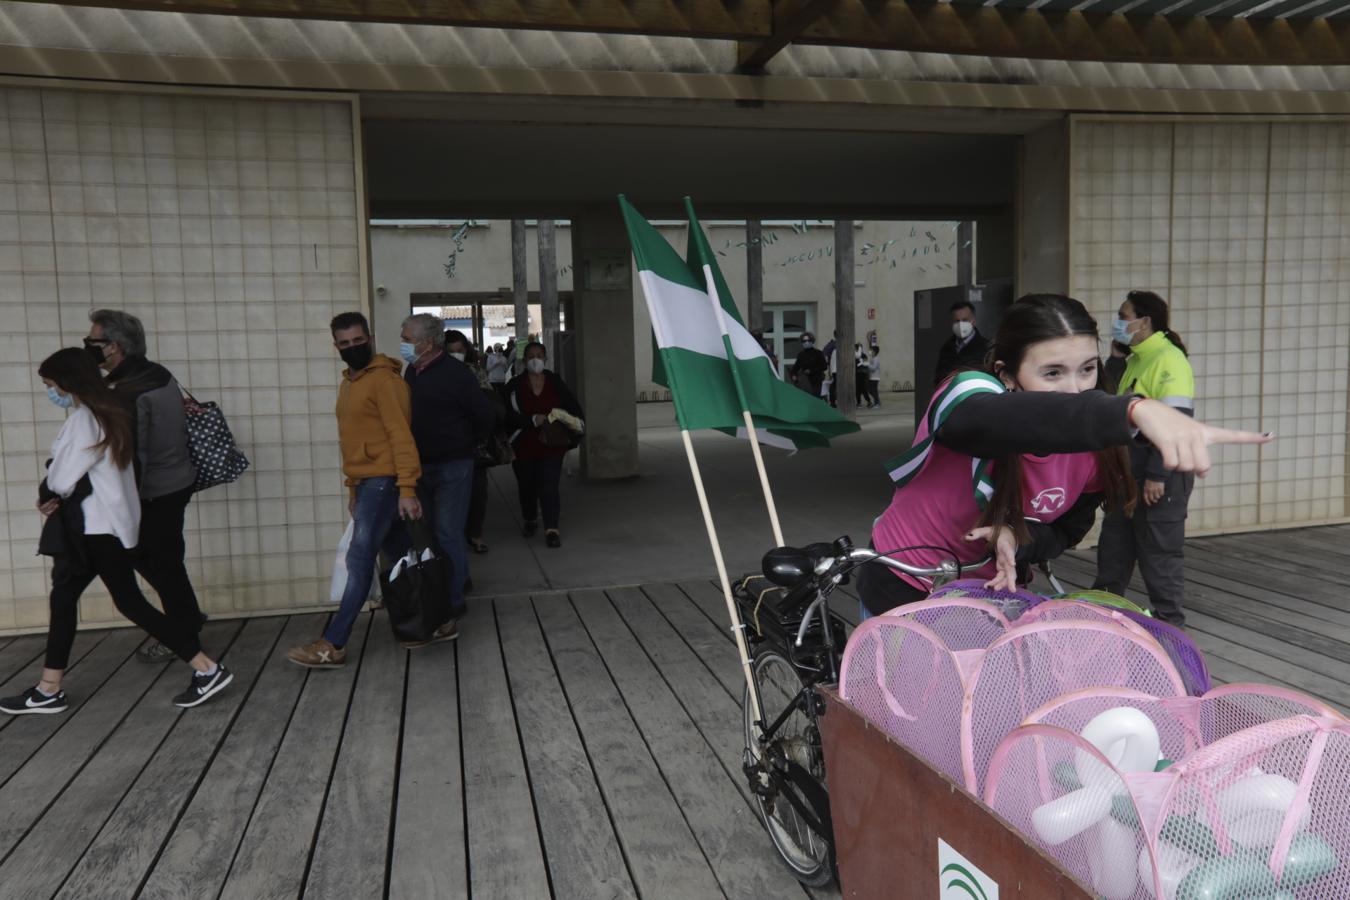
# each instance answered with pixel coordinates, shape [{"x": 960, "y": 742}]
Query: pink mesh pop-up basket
[
  {"x": 1259, "y": 813},
  {"x": 1179, "y": 646},
  {"x": 1037, "y": 662},
  {"x": 952, "y": 707},
  {"x": 1183, "y": 724},
  {"x": 963, "y": 623}
]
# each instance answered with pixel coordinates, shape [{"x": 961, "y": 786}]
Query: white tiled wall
[
  {"x": 231, "y": 227},
  {"x": 1242, "y": 227}
]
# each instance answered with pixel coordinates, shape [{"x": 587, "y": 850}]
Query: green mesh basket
[{"x": 1105, "y": 598}]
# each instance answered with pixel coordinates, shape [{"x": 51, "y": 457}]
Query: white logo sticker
[
  {"x": 959, "y": 879},
  {"x": 1049, "y": 500}
]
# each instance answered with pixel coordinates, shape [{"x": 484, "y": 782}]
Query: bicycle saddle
[{"x": 791, "y": 566}]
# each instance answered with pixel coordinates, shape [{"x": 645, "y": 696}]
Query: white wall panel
[{"x": 230, "y": 226}]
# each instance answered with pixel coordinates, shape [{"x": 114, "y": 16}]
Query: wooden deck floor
[{"x": 584, "y": 745}]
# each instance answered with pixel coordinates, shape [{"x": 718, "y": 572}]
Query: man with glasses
[{"x": 165, "y": 473}]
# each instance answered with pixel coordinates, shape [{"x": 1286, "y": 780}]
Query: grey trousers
[{"x": 1154, "y": 538}]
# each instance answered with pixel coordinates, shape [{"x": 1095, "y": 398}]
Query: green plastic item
[
  {"x": 1240, "y": 875},
  {"x": 1163, "y": 765},
  {"x": 1105, "y": 598},
  {"x": 1310, "y": 857},
  {"x": 1190, "y": 834}
]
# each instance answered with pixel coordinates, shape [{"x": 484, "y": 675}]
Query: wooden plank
[
  {"x": 43, "y": 766},
  {"x": 1273, "y": 546},
  {"x": 26, "y": 675},
  {"x": 506, "y": 858},
  {"x": 583, "y": 853},
  {"x": 714, "y": 709},
  {"x": 208, "y": 740},
  {"x": 727, "y": 828},
  {"x": 1321, "y": 599},
  {"x": 351, "y": 848},
  {"x": 663, "y": 856},
  {"x": 711, "y": 641},
  {"x": 273, "y": 855},
  {"x": 1245, "y": 557},
  {"x": 104, "y": 831},
  {"x": 21, "y": 653},
  {"x": 429, "y": 858}
]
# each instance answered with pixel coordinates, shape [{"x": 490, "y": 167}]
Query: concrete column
[
  {"x": 754, "y": 275},
  {"x": 602, "y": 290},
  {"x": 844, "y": 379},
  {"x": 965, "y": 252},
  {"x": 1043, "y": 211},
  {"x": 548, "y": 284},
  {"x": 520, "y": 291}
]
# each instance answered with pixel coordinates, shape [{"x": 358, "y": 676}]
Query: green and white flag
[{"x": 712, "y": 365}]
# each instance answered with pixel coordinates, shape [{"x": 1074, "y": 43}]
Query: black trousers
[
  {"x": 1154, "y": 538},
  {"x": 107, "y": 560},
  {"x": 473, "y": 526},
  {"x": 880, "y": 589},
  {"x": 537, "y": 480},
  {"x": 159, "y": 558}
]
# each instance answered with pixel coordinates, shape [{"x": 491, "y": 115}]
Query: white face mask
[
  {"x": 535, "y": 366},
  {"x": 962, "y": 329},
  {"x": 458, "y": 356}
]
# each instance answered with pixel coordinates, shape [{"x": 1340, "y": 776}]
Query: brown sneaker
[
  {"x": 447, "y": 632},
  {"x": 318, "y": 655}
]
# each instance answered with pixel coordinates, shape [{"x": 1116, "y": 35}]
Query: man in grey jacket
[{"x": 164, "y": 469}]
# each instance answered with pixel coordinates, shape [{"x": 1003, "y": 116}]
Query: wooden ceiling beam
[
  {"x": 878, "y": 24},
  {"x": 790, "y": 19}
]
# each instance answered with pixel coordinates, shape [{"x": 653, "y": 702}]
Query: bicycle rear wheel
[{"x": 796, "y": 744}]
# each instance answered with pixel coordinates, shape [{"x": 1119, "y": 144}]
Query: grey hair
[
  {"x": 123, "y": 329},
  {"x": 426, "y": 327}
]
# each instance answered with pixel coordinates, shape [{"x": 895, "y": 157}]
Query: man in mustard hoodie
[{"x": 379, "y": 458}]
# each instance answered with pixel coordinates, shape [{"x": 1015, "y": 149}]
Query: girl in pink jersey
[{"x": 1014, "y": 461}]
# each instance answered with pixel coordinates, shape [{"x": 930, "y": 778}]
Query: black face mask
[
  {"x": 96, "y": 352},
  {"x": 358, "y": 356}
]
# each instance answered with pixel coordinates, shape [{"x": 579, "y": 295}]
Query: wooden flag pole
[
  {"x": 763, "y": 478},
  {"x": 737, "y": 626}
]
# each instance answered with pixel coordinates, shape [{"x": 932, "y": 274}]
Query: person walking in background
[
  {"x": 1114, "y": 366},
  {"x": 541, "y": 441},
  {"x": 966, "y": 348},
  {"x": 379, "y": 460},
  {"x": 498, "y": 367},
  {"x": 165, "y": 474},
  {"x": 808, "y": 369},
  {"x": 861, "y": 395},
  {"x": 1154, "y": 537},
  {"x": 874, "y": 376},
  {"x": 93, "y": 521},
  {"x": 459, "y": 347}
]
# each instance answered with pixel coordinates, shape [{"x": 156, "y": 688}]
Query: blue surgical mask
[
  {"x": 1120, "y": 330},
  {"x": 65, "y": 401},
  {"x": 408, "y": 352}
]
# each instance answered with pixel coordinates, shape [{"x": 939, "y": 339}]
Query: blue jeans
[
  {"x": 445, "y": 491},
  {"x": 373, "y": 519}
]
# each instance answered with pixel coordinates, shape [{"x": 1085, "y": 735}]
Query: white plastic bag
[{"x": 338, "y": 585}]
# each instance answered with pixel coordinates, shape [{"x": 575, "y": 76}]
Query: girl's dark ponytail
[{"x": 1147, "y": 303}]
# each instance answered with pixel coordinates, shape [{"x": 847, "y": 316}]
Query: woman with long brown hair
[
  {"x": 1015, "y": 460},
  {"x": 93, "y": 511}
]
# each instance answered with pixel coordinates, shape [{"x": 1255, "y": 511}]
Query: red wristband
[{"x": 1129, "y": 411}]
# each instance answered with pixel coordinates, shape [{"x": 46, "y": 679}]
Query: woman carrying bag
[
  {"x": 93, "y": 510},
  {"x": 546, "y": 422}
]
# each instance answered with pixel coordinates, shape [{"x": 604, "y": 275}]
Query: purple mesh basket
[
  {"x": 1011, "y": 603},
  {"x": 1185, "y": 655}
]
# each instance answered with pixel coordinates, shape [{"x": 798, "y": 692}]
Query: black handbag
[
  {"x": 417, "y": 589},
  {"x": 217, "y": 458}
]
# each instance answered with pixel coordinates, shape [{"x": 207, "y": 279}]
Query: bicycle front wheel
[{"x": 806, "y": 851}]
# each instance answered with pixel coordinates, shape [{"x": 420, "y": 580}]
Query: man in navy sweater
[{"x": 450, "y": 416}]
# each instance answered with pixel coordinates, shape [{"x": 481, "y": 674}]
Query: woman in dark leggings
[
  {"x": 538, "y": 463},
  {"x": 92, "y": 507}
]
